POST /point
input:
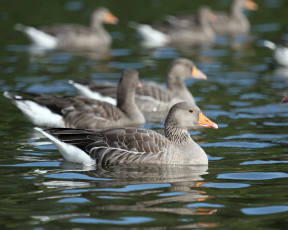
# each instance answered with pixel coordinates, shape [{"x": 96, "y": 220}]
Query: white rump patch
[
  {"x": 86, "y": 92},
  {"x": 152, "y": 37},
  {"x": 39, "y": 115},
  {"x": 38, "y": 37},
  {"x": 69, "y": 152},
  {"x": 269, "y": 45}
]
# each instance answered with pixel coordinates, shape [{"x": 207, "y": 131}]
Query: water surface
[{"x": 246, "y": 183}]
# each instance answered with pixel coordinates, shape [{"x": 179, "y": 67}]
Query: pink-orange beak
[
  {"x": 250, "y": 5},
  {"x": 110, "y": 18},
  {"x": 205, "y": 122},
  {"x": 196, "y": 73}
]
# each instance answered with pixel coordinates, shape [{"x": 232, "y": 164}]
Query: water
[{"x": 245, "y": 185}]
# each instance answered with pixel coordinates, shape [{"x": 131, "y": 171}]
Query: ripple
[
  {"x": 74, "y": 200},
  {"x": 260, "y": 162},
  {"x": 257, "y": 136},
  {"x": 239, "y": 144},
  {"x": 225, "y": 185},
  {"x": 204, "y": 205},
  {"x": 121, "y": 221},
  {"x": 75, "y": 176},
  {"x": 265, "y": 210},
  {"x": 253, "y": 176}
]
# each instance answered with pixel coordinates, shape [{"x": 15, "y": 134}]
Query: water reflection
[{"x": 171, "y": 189}]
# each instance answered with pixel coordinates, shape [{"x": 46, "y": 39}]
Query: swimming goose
[
  {"x": 198, "y": 33},
  {"x": 136, "y": 145},
  {"x": 280, "y": 52},
  {"x": 79, "y": 112},
  {"x": 151, "y": 96},
  {"x": 235, "y": 22},
  {"x": 72, "y": 35}
]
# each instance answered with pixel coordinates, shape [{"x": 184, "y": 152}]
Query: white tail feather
[
  {"x": 69, "y": 152},
  {"x": 86, "y": 92}
]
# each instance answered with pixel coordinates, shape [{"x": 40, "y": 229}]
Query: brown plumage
[
  {"x": 152, "y": 96},
  {"x": 80, "y": 112}
]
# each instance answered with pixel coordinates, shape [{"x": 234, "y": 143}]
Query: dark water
[{"x": 246, "y": 183}]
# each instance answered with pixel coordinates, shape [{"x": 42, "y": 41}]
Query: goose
[
  {"x": 151, "y": 97},
  {"x": 280, "y": 52},
  {"x": 72, "y": 35},
  {"x": 127, "y": 145},
  {"x": 228, "y": 24},
  {"x": 79, "y": 112},
  {"x": 165, "y": 33},
  {"x": 235, "y": 22}
]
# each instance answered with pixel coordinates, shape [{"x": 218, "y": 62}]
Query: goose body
[
  {"x": 136, "y": 145},
  {"x": 235, "y": 22},
  {"x": 151, "y": 96},
  {"x": 79, "y": 112},
  {"x": 71, "y": 35}
]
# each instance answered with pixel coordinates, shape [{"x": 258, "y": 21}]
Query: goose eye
[{"x": 191, "y": 111}]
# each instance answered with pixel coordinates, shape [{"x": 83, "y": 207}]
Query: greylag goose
[
  {"x": 71, "y": 35},
  {"x": 136, "y": 145},
  {"x": 79, "y": 112},
  {"x": 235, "y": 22},
  {"x": 229, "y": 24},
  {"x": 280, "y": 52},
  {"x": 164, "y": 33},
  {"x": 151, "y": 96}
]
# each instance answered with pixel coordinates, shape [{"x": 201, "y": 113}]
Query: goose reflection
[{"x": 172, "y": 183}]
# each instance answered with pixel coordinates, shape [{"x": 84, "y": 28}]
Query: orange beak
[
  {"x": 110, "y": 19},
  {"x": 250, "y": 5},
  {"x": 140, "y": 84},
  {"x": 212, "y": 17},
  {"x": 285, "y": 99},
  {"x": 196, "y": 73},
  {"x": 205, "y": 122}
]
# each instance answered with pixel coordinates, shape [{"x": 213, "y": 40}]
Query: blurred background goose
[
  {"x": 151, "y": 96},
  {"x": 80, "y": 112},
  {"x": 163, "y": 33},
  {"x": 236, "y": 21},
  {"x": 72, "y": 35},
  {"x": 136, "y": 145},
  {"x": 228, "y": 24}
]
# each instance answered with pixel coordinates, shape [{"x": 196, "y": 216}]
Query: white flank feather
[
  {"x": 39, "y": 115},
  {"x": 269, "y": 45},
  {"x": 152, "y": 37},
  {"x": 86, "y": 92},
  {"x": 69, "y": 152},
  {"x": 38, "y": 37},
  {"x": 281, "y": 55}
]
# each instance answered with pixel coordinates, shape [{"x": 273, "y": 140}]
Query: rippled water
[{"x": 246, "y": 183}]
